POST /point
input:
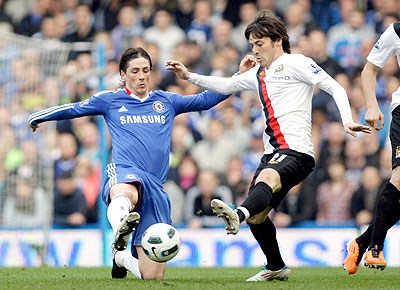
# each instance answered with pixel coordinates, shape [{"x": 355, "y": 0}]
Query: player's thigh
[
  {"x": 129, "y": 189},
  {"x": 149, "y": 269},
  {"x": 260, "y": 218}
]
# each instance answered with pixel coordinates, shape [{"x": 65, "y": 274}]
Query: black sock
[
  {"x": 265, "y": 235},
  {"x": 259, "y": 198},
  {"x": 387, "y": 213},
  {"x": 241, "y": 215},
  {"x": 365, "y": 239}
]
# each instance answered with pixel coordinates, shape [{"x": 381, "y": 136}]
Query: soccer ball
[{"x": 161, "y": 242}]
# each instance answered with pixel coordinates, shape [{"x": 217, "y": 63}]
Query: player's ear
[{"x": 123, "y": 75}]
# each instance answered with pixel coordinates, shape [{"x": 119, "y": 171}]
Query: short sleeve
[{"x": 384, "y": 48}]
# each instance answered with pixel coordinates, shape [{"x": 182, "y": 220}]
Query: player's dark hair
[
  {"x": 132, "y": 53},
  {"x": 266, "y": 24}
]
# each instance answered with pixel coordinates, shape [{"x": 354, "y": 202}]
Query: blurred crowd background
[{"x": 213, "y": 153}]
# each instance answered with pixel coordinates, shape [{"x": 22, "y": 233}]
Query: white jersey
[
  {"x": 285, "y": 90},
  {"x": 387, "y": 45}
]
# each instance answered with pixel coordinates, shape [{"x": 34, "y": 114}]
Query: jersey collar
[{"x": 136, "y": 97}]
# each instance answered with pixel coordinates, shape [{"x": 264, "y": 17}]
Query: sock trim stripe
[{"x": 244, "y": 211}]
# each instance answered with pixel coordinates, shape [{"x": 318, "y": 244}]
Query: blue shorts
[{"x": 153, "y": 203}]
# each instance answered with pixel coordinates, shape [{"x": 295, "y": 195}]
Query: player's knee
[{"x": 270, "y": 177}]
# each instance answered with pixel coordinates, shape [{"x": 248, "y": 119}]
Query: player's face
[
  {"x": 265, "y": 50},
  {"x": 137, "y": 76}
]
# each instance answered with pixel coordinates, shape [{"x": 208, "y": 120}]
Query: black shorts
[
  {"x": 395, "y": 137},
  {"x": 292, "y": 166}
]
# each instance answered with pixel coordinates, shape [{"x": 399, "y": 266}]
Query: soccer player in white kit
[
  {"x": 285, "y": 85},
  {"x": 387, "y": 211}
]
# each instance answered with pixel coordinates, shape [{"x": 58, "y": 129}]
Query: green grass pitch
[{"x": 197, "y": 278}]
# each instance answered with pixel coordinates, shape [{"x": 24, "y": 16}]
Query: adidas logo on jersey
[{"x": 122, "y": 109}]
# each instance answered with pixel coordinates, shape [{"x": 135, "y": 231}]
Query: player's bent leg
[
  {"x": 149, "y": 269},
  {"x": 353, "y": 257},
  {"x": 228, "y": 215},
  {"x": 268, "y": 275}
]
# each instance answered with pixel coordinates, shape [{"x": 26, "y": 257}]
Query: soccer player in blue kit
[{"x": 140, "y": 124}]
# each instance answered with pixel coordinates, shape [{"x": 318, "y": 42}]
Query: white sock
[
  {"x": 245, "y": 212},
  {"x": 126, "y": 260},
  {"x": 119, "y": 207}
]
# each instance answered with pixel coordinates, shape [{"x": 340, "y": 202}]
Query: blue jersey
[{"x": 140, "y": 131}]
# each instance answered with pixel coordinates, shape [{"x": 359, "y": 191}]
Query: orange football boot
[
  {"x": 353, "y": 258},
  {"x": 374, "y": 259}
]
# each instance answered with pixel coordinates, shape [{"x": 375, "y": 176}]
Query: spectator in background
[
  {"x": 246, "y": 14},
  {"x": 355, "y": 160},
  {"x": 234, "y": 128},
  {"x": 177, "y": 198},
  {"x": 298, "y": 206},
  {"x": 197, "y": 211},
  {"x": 48, "y": 29},
  {"x": 84, "y": 31},
  {"x": 364, "y": 198},
  {"x": 110, "y": 14},
  {"x": 374, "y": 16},
  {"x": 61, "y": 25},
  {"x": 344, "y": 41},
  {"x": 221, "y": 37},
  {"x": 30, "y": 24},
  {"x": 88, "y": 180},
  {"x": 251, "y": 158},
  {"x": 296, "y": 24},
  {"x": 270, "y": 6},
  {"x": 4, "y": 17},
  {"x": 372, "y": 149},
  {"x": 89, "y": 139},
  {"x": 181, "y": 141},
  {"x": 164, "y": 34},
  {"x": 200, "y": 30},
  {"x": 146, "y": 12},
  {"x": 28, "y": 207},
  {"x": 69, "y": 201},
  {"x": 31, "y": 167},
  {"x": 69, "y": 10},
  {"x": 184, "y": 13},
  {"x": 332, "y": 146},
  {"x": 216, "y": 150},
  {"x": 236, "y": 181},
  {"x": 385, "y": 163},
  {"x": 334, "y": 195},
  {"x": 187, "y": 173},
  {"x": 128, "y": 28},
  {"x": 317, "y": 40},
  {"x": 68, "y": 152}
]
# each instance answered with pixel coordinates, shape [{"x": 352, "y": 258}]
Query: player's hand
[
  {"x": 178, "y": 68},
  {"x": 247, "y": 63},
  {"x": 34, "y": 127},
  {"x": 375, "y": 118},
  {"x": 351, "y": 128}
]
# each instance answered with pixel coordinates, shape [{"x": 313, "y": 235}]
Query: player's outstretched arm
[{"x": 373, "y": 116}]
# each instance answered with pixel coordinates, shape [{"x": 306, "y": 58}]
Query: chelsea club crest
[{"x": 159, "y": 107}]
